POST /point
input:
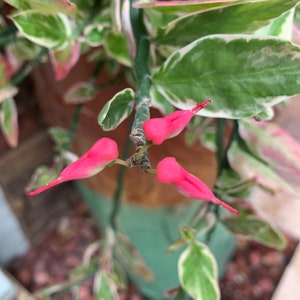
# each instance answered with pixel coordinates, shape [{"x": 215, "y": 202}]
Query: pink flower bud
[
  {"x": 157, "y": 130},
  {"x": 169, "y": 171},
  {"x": 103, "y": 152}
]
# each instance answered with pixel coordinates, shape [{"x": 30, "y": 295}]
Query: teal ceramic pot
[{"x": 151, "y": 231}]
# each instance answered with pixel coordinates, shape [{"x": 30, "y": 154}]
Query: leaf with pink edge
[
  {"x": 64, "y": 60},
  {"x": 273, "y": 144},
  {"x": 5, "y": 71},
  {"x": 250, "y": 168},
  {"x": 54, "y": 6},
  {"x": 7, "y": 91},
  {"x": 189, "y": 6},
  {"x": 9, "y": 121},
  {"x": 244, "y": 17},
  {"x": 21, "y": 50}
]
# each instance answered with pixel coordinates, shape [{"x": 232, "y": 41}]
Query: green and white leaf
[
  {"x": 116, "y": 47},
  {"x": 95, "y": 34},
  {"x": 197, "y": 270},
  {"x": 273, "y": 144},
  {"x": 20, "y": 4},
  {"x": 208, "y": 139},
  {"x": 7, "y": 91},
  {"x": 251, "y": 168},
  {"x": 116, "y": 110},
  {"x": 49, "y": 7},
  {"x": 200, "y": 225},
  {"x": 281, "y": 26},
  {"x": 242, "y": 74},
  {"x": 9, "y": 121},
  {"x": 50, "y": 31},
  {"x": 257, "y": 229},
  {"x": 80, "y": 92},
  {"x": 42, "y": 176},
  {"x": 23, "y": 49},
  {"x": 243, "y": 18},
  {"x": 297, "y": 16},
  {"x": 61, "y": 137},
  {"x": 271, "y": 237},
  {"x": 105, "y": 287},
  {"x": 230, "y": 184},
  {"x": 190, "y": 6},
  {"x": 158, "y": 19},
  {"x": 159, "y": 102}
]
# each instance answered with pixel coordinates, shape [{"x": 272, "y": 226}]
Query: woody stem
[{"x": 142, "y": 73}]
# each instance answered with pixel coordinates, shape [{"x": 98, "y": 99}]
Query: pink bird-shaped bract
[
  {"x": 102, "y": 153},
  {"x": 169, "y": 171},
  {"x": 157, "y": 130}
]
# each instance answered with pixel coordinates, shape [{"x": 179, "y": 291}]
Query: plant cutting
[{"x": 197, "y": 84}]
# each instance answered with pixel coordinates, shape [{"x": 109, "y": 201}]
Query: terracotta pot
[
  {"x": 151, "y": 212},
  {"x": 196, "y": 159}
]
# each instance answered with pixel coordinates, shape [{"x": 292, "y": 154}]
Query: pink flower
[
  {"x": 169, "y": 171},
  {"x": 102, "y": 153},
  {"x": 157, "y": 130}
]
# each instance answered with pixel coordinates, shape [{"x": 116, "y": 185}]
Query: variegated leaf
[
  {"x": 9, "y": 121},
  {"x": 116, "y": 46},
  {"x": 244, "y": 75},
  {"x": 189, "y": 6},
  {"x": 242, "y": 18},
  {"x": 64, "y": 60},
  {"x": 80, "y": 92},
  {"x": 255, "y": 228},
  {"x": 50, "y": 31},
  {"x": 54, "y": 6},
  {"x": 197, "y": 271},
  {"x": 7, "y": 91},
  {"x": 250, "y": 168},
  {"x": 116, "y": 110},
  {"x": 273, "y": 144}
]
